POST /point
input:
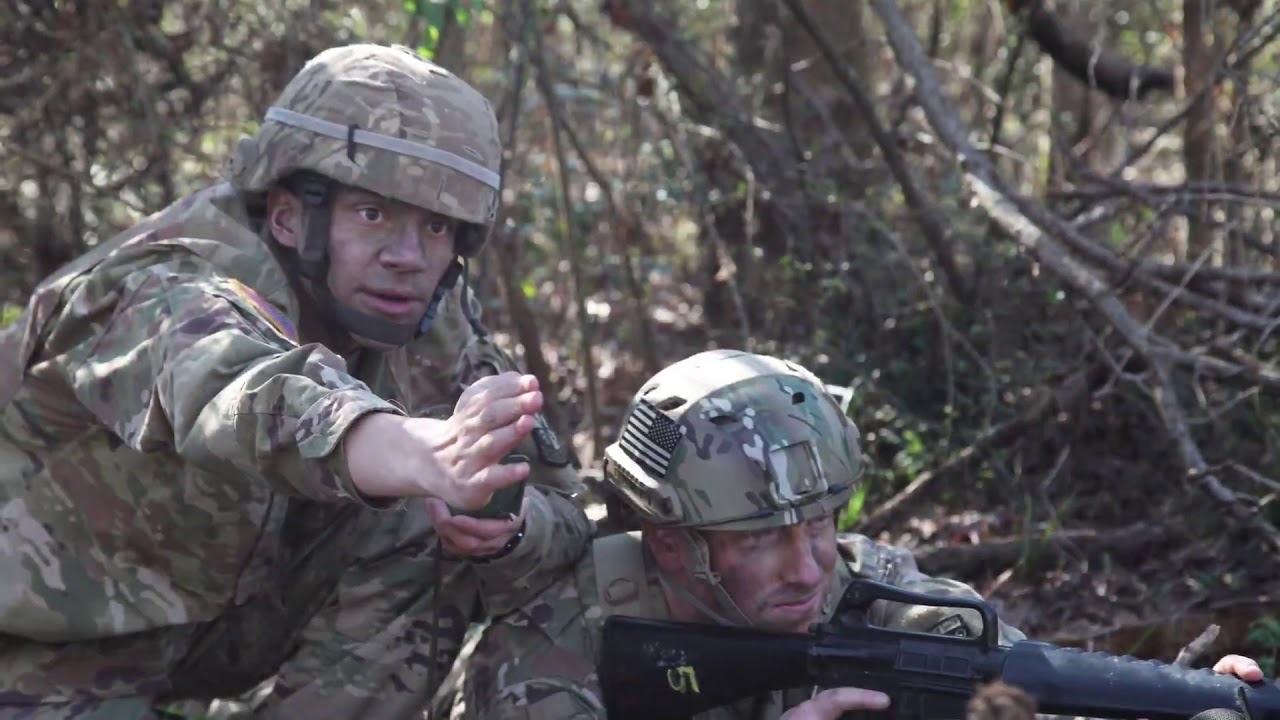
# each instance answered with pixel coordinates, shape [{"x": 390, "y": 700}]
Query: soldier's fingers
[
  {"x": 465, "y": 545},
  {"x": 495, "y": 445},
  {"x": 832, "y": 703},
  {"x": 505, "y": 411},
  {"x": 456, "y": 551},
  {"x": 502, "y": 385},
  {"x": 1240, "y": 666},
  {"x": 484, "y": 390},
  {"x": 485, "y": 529},
  {"x": 489, "y": 480},
  {"x": 531, "y": 402},
  {"x": 460, "y": 541}
]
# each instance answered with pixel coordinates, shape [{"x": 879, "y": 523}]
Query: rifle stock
[{"x": 663, "y": 669}]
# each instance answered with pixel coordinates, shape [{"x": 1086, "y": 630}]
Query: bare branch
[
  {"x": 930, "y": 218},
  {"x": 542, "y": 78},
  {"x": 969, "y": 560},
  {"x": 1039, "y": 231},
  {"x": 1000, "y": 436},
  {"x": 1197, "y": 647}
]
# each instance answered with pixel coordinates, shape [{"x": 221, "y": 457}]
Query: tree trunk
[{"x": 1198, "y": 135}]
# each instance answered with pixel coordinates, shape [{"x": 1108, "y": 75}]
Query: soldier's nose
[
  {"x": 801, "y": 567},
  {"x": 405, "y": 250}
]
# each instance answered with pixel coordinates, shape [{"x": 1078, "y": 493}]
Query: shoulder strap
[{"x": 622, "y": 582}]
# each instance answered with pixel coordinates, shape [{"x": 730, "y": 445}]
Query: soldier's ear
[
  {"x": 666, "y": 549},
  {"x": 284, "y": 217}
]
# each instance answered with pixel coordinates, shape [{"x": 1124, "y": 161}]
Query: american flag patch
[{"x": 650, "y": 437}]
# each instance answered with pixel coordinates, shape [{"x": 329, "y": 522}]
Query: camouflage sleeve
[
  {"x": 517, "y": 672},
  {"x": 897, "y": 566},
  {"x": 557, "y": 532},
  {"x": 368, "y": 652},
  {"x": 195, "y": 364}
]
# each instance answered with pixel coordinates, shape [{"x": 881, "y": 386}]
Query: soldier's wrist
[{"x": 512, "y": 543}]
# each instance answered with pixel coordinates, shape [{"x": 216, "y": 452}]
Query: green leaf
[
  {"x": 9, "y": 313},
  {"x": 1118, "y": 234},
  {"x": 854, "y": 509},
  {"x": 1264, "y": 632}
]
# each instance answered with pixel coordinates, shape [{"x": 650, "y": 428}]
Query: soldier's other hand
[
  {"x": 456, "y": 459},
  {"x": 1240, "y": 666},
  {"x": 832, "y": 703},
  {"x": 464, "y": 536},
  {"x": 1001, "y": 701}
]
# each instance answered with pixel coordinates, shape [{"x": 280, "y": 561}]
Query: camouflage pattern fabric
[
  {"x": 403, "y": 99},
  {"x": 539, "y": 662},
  {"x": 173, "y": 496},
  {"x": 766, "y": 422}
]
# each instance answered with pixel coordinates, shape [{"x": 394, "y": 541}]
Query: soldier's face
[
  {"x": 386, "y": 257},
  {"x": 779, "y": 577}
]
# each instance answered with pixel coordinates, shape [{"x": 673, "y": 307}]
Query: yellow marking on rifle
[{"x": 684, "y": 679}]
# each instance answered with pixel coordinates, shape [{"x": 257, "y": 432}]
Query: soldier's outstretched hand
[
  {"x": 832, "y": 703},
  {"x": 457, "y": 459}
]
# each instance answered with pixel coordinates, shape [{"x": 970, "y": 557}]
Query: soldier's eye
[
  {"x": 370, "y": 214},
  {"x": 439, "y": 227}
]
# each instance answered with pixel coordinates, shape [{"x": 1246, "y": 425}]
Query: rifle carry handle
[{"x": 851, "y": 612}]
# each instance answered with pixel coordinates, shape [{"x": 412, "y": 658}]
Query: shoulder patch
[{"x": 266, "y": 310}]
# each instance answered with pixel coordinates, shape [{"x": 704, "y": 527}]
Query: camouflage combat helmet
[
  {"x": 729, "y": 440},
  {"x": 384, "y": 120}
]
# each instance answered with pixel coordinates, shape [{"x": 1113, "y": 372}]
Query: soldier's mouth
[
  {"x": 799, "y": 607},
  {"x": 393, "y": 304}
]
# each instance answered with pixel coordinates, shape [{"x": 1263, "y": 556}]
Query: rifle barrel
[{"x": 1069, "y": 681}]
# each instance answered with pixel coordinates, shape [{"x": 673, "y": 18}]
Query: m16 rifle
[{"x": 671, "y": 670}]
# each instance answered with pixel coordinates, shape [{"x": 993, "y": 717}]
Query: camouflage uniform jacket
[
  {"x": 173, "y": 495},
  {"x": 539, "y": 662}
]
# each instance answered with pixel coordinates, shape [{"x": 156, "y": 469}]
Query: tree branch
[
  {"x": 997, "y": 437},
  {"x": 1039, "y": 231},
  {"x": 541, "y": 77},
  {"x": 970, "y": 560},
  {"x": 925, "y": 212},
  {"x": 526, "y": 326}
]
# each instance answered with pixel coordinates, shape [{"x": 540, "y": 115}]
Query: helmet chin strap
[
  {"x": 695, "y": 549},
  {"x": 313, "y": 264}
]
